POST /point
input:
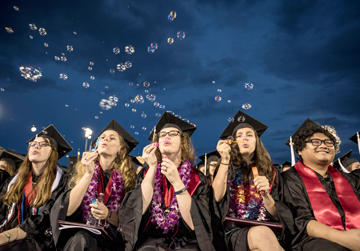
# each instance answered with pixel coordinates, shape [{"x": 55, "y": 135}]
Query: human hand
[
  {"x": 262, "y": 183},
  {"x": 224, "y": 150},
  {"x": 170, "y": 170},
  {"x": 99, "y": 211},
  {"x": 149, "y": 155},
  {"x": 87, "y": 161}
]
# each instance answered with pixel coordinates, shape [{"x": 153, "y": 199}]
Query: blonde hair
[
  {"x": 43, "y": 185},
  {"x": 8, "y": 168},
  {"x": 122, "y": 163}
]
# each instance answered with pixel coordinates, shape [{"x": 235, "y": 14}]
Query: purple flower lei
[
  {"x": 116, "y": 193},
  {"x": 169, "y": 221},
  {"x": 254, "y": 209}
]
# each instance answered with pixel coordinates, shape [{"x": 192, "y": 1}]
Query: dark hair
[{"x": 300, "y": 138}]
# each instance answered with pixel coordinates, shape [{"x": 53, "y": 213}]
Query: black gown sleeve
[{"x": 3, "y": 176}]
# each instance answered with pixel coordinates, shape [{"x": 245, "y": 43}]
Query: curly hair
[
  {"x": 43, "y": 185},
  {"x": 122, "y": 163},
  {"x": 261, "y": 160},
  {"x": 187, "y": 149},
  {"x": 300, "y": 138}
]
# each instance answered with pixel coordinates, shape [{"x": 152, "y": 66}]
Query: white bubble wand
[{"x": 97, "y": 143}]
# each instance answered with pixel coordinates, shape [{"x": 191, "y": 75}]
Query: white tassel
[
  {"x": 342, "y": 167},
  {"x": 205, "y": 163},
  {"x": 358, "y": 141},
  {"x": 292, "y": 152},
  {"x": 154, "y": 132}
]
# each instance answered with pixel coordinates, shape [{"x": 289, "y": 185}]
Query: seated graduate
[
  {"x": 27, "y": 198},
  {"x": 346, "y": 164},
  {"x": 285, "y": 166},
  {"x": 108, "y": 170},
  {"x": 211, "y": 159},
  {"x": 241, "y": 195},
  {"x": 325, "y": 203},
  {"x": 169, "y": 206}
]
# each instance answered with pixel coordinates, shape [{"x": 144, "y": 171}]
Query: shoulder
[{"x": 291, "y": 176}]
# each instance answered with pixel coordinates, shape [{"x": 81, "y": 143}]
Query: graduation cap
[
  {"x": 14, "y": 159},
  {"x": 138, "y": 160},
  {"x": 130, "y": 140},
  {"x": 242, "y": 120},
  {"x": 170, "y": 120},
  {"x": 356, "y": 139},
  {"x": 344, "y": 161},
  {"x": 60, "y": 144},
  {"x": 209, "y": 157},
  {"x": 286, "y": 163},
  {"x": 289, "y": 142}
]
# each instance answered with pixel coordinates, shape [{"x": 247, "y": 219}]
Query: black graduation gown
[
  {"x": 296, "y": 197},
  {"x": 139, "y": 237},
  {"x": 3, "y": 176},
  {"x": 79, "y": 239},
  {"x": 37, "y": 227},
  {"x": 238, "y": 238}
]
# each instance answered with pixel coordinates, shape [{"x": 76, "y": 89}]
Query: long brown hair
[
  {"x": 43, "y": 185},
  {"x": 261, "y": 160},
  {"x": 122, "y": 163},
  {"x": 187, "y": 149},
  {"x": 9, "y": 168}
]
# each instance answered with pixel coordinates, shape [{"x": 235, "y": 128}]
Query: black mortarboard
[
  {"x": 306, "y": 123},
  {"x": 138, "y": 160},
  {"x": 242, "y": 120},
  {"x": 14, "y": 159},
  {"x": 286, "y": 163},
  {"x": 212, "y": 156},
  {"x": 345, "y": 161},
  {"x": 170, "y": 120},
  {"x": 354, "y": 138},
  {"x": 130, "y": 141},
  {"x": 60, "y": 144}
]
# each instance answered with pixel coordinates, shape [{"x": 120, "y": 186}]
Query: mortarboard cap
[
  {"x": 354, "y": 138},
  {"x": 212, "y": 156},
  {"x": 13, "y": 158},
  {"x": 130, "y": 140},
  {"x": 242, "y": 120},
  {"x": 306, "y": 123},
  {"x": 345, "y": 161},
  {"x": 60, "y": 144},
  {"x": 138, "y": 160},
  {"x": 286, "y": 163},
  {"x": 170, "y": 120}
]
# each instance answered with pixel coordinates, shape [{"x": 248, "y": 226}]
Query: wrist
[
  {"x": 178, "y": 185},
  {"x": 225, "y": 161}
]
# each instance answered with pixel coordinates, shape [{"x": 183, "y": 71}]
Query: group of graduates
[{"x": 238, "y": 201}]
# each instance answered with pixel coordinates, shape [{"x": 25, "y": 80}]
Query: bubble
[
  {"x": 241, "y": 119},
  {"x": 128, "y": 64},
  {"x": 63, "y": 76},
  {"x": 132, "y": 126},
  {"x": 57, "y": 58},
  {"x": 139, "y": 99},
  {"x": 193, "y": 124},
  {"x": 102, "y": 93},
  {"x": 33, "y": 128},
  {"x": 156, "y": 104},
  {"x": 127, "y": 105},
  {"x": 146, "y": 84},
  {"x": 89, "y": 68},
  {"x": 170, "y": 40},
  {"x": 152, "y": 48},
  {"x": 92, "y": 77},
  {"x": 86, "y": 84},
  {"x": 162, "y": 107},
  {"x": 230, "y": 138},
  {"x": 96, "y": 117},
  {"x": 181, "y": 35},
  {"x": 146, "y": 91},
  {"x": 33, "y": 27},
  {"x": 64, "y": 59},
  {"x": 171, "y": 112},
  {"x": 217, "y": 98},
  {"x": 2, "y": 89},
  {"x": 143, "y": 115},
  {"x": 121, "y": 67},
  {"x": 16, "y": 8},
  {"x": 158, "y": 115},
  {"x": 74, "y": 32},
  {"x": 172, "y": 16},
  {"x": 31, "y": 37},
  {"x": 136, "y": 133},
  {"x": 131, "y": 83},
  {"x": 133, "y": 110},
  {"x": 42, "y": 31},
  {"x": 144, "y": 128},
  {"x": 151, "y": 97},
  {"x": 69, "y": 48},
  {"x": 46, "y": 44},
  {"x": 9, "y": 30},
  {"x": 105, "y": 104},
  {"x": 129, "y": 49},
  {"x": 178, "y": 116},
  {"x": 112, "y": 71},
  {"x": 246, "y": 106},
  {"x": 219, "y": 90},
  {"x": 66, "y": 105},
  {"x": 63, "y": 54},
  {"x": 231, "y": 120},
  {"x": 213, "y": 82},
  {"x": 91, "y": 63},
  {"x": 30, "y": 72},
  {"x": 107, "y": 87},
  {"x": 116, "y": 50},
  {"x": 229, "y": 101},
  {"x": 186, "y": 120},
  {"x": 249, "y": 86}
]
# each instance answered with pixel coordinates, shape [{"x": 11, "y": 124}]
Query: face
[
  {"x": 3, "y": 165},
  {"x": 351, "y": 168},
  {"x": 248, "y": 136},
  {"x": 41, "y": 151},
  {"x": 212, "y": 167},
  {"x": 109, "y": 143},
  {"x": 318, "y": 155},
  {"x": 170, "y": 146}
]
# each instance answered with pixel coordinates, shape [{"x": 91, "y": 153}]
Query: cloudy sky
[{"x": 302, "y": 58}]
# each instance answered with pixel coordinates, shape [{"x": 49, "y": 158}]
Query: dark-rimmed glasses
[
  {"x": 318, "y": 142},
  {"x": 171, "y": 134},
  {"x": 41, "y": 144}
]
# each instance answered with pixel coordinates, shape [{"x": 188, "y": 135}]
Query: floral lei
[
  {"x": 158, "y": 218},
  {"x": 116, "y": 193},
  {"x": 254, "y": 209}
]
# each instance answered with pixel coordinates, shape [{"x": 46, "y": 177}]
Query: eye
[{"x": 112, "y": 138}]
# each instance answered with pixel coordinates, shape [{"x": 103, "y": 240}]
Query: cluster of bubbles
[
  {"x": 69, "y": 48},
  {"x": 129, "y": 49},
  {"x": 86, "y": 84},
  {"x": 144, "y": 128},
  {"x": 107, "y": 104},
  {"x": 152, "y": 48},
  {"x": 249, "y": 86},
  {"x": 219, "y": 90},
  {"x": 151, "y": 97},
  {"x": 181, "y": 35},
  {"x": 246, "y": 106},
  {"x": 63, "y": 76},
  {"x": 30, "y": 72},
  {"x": 171, "y": 16},
  {"x": 240, "y": 119},
  {"x": 184, "y": 119},
  {"x": 133, "y": 110},
  {"x": 63, "y": 58},
  {"x": 33, "y": 27},
  {"x": 123, "y": 66}
]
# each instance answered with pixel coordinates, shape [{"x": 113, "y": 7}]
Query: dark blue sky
[{"x": 302, "y": 58}]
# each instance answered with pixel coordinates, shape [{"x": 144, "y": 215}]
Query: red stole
[
  {"x": 100, "y": 189},
  {"x": 323, "y": 207},
  {"x": 29, "y": 195}
]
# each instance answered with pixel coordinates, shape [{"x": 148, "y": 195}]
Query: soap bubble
[
  {"x": 146, "y": 84},
  {"x": 133, "y": 110},
  {"x": 152, "y": 48},
  {"x": 170, "y": 40},
  {"x": 217, "y": 98},
  {"x": 42, "y": 31},
  {"x": 132, "y": 126},
  {"x": 151, "y": 97},
  {"x": 116, "y": 50},
  {"x": 127, "y": 105},
  {"x": 9, "y": 30},
  {"x": 128, "y": 64},
  {"x": 219, "y": 90},
  {"x": 92, "y": 77},
  {"x": 241, "y": 119},
  {"x": 86, "y": 84},
  {"x": 33, "y": 27},
  {"x": 144, "y": 128},
  {"x": 91, "y": 63},
  {"x": 63, "y": 76},
  {"x": 16, "y": 8},
  {"x": 231, "y": 120},
  {"x": 30, "y": 72},
  {"x": 181, "y": 35},
  {"x": 96, "y": 117},
  {"x": 136, "y": 133},
  {"x": 112, "y": 71},
  {"x": 57, "y": 58},
  {"x": 249, "y": 86},
  {"x": 46, "y": 44},
  {"x": 139, "y": 99},
  {"x": 246, "y": 106},
  {"x": 64, "y": 59},
  {"x": 172, "y": 16},
  {"x": 131, "y": 83},
  {"x": 156, "y": 104},
  {"x": 129, "y": 49},
  {"x": 158, "y": 115},
  {"x": 121, "y": 67},
  {"x": 143, "y": 115},
  {"x": 33, "y": 128},
  {"x": 69, "y": 48},
  {"x": 89, "y": 68}
]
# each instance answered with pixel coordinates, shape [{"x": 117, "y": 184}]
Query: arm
[
  {"x": 147, "y": 185},
  {"x": 220, "y": 181},
  {"x": 263, "y": 184},
  {"x": 12, "y": 235}
]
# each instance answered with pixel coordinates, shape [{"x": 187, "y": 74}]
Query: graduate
[
  {"x": 169, "y": 206},
  {"x": 27, "y": 198},
  {"x": 240, "y": 194},
  {"x": 212, "y": 159},
  {"x": 108, "y": 170},
  {"x": 346, "y": 164},
  {"x": 285, "y": 166},
  {"x": 325, "y": 203},
  {"x": 10, "y": 161}
]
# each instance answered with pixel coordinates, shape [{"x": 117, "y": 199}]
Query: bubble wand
[
  {"x": 256, "y": 173},
  {"x": 97, "y": 143},
  {"x": 156, "y": 144}
]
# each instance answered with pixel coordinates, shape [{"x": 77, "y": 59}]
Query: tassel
[
  {"x": 342, "y": 167},
  {"x": 205, "y": 163},
  {"x": 358, "y": 140},
  {"x": 292, "y": 152}
]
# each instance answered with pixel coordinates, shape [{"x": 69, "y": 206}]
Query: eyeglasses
[
  {"x": 41, "y": 144},
  {"x": 318, "y": 142},
  {"x": 171, "y": 134}
]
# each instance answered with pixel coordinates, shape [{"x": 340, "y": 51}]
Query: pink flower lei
[
  {"x": 116, "y": 193},
  {"x": 238, "y": 208},
  {"x": 158, "y": 218}
]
